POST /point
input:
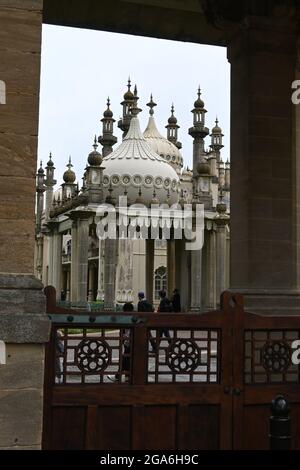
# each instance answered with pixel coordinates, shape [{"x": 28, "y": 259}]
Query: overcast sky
[{"x": 80, "y": 68}]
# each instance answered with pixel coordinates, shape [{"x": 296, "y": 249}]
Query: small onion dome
[
  {"x": 95, "y": 158},
  {"x": 203, "y": 167},
  {"x": 199, "y": 103},
  {"x": 69, "y": 176},
  {"x": 129, "y": 95},
  {"x": 217, "y": 129},
  {"x": 108, "y": 112},
  {"x": 50, "y": 162},
  {"x": 172, "y": 119},
  {"x": 41, "y": 169}
]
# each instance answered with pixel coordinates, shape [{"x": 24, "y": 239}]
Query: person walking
[
  {"x": 125, "y": 369},
  {"x": 165, "y": 306},
  {"x": 145, "y": 306},
  {"x": 176, "y": 303}
]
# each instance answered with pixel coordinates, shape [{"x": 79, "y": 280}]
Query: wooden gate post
[{"x": 280, "y": 424}]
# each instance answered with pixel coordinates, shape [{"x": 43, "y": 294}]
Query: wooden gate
[{"x": 207, "y": 386}]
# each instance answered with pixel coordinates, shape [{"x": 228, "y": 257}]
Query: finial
[
  {"x": 135, "y": 90},
  {"x": 41, "y": 163},
  {"x": 172, "y": 109},
  {"x": 151, "y": 105},
  {"x": 217, "y": 120},
  {"x": 108, "y": 102},
  {"x": 50, "y": 162},
  {"x": 69, "y": 165},
  {"x": 95, "y": 145},
  {"x": 129, "y": 83},
  {"x": 199, "y": 91}
]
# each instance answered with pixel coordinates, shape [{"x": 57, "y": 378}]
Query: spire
[
  {"x": 107, "y": 139},
  {"x": 50, "y": 181},
  {"x": 216, "y": 139},
  {"x": 69, "y": 176},
  {"x": 50, "y": 162},
  {"x": 129, "y": 100},
  {"x": 172, "y": 129},
  {"x": 199, "y": 103},
  {"x": 135, "y": 94},
  {"x": 95, "y": 145},
  {"x": 151, "y": 105}
]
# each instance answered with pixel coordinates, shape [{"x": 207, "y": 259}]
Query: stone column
[
  {"x": 196, "y": 280},
  {"x": 74, "y": 262},
  {"x": 57, "y": 262},
  {"x": 91, "y": 284},
  {"x": 212, "y": 269},
  {"x": 68, "y": 291},
  {"x": 100, "y": 291},
  {"x": 265, "y": 171},
  {"x": 110, "y": 271},
  {"x": 171, "y": 266},
  {"x": 23, "y": 323},
  {"x": 221, "y": 221},
  {"x": 83, "y": 247},
  {"x": 183, "y": 273},
  {"x": 149, "y": 269}
]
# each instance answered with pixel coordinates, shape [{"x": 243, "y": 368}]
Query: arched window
[{"x": 160, "y": 280}]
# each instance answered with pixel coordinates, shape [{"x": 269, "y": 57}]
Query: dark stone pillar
[{"x": 265, "y": 173}]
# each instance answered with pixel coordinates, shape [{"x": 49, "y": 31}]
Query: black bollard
[{"x": 280, "y": 424}]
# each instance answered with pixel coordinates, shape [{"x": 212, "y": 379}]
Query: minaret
[
  {"x": 50, "y": 182},
  {"x": 216, "y": 140},
  {"x": 227, "y": 176},
  {"x": 69, "y": 186},
  {"x": 172, "y": 129},
  {"x": 94, "y": 175},
  {"x": 107, "y": 139},
  {"x": 198, "y": 132},
  {"x": 127, "y": 103},
  {"x": 40, "y": 189}
]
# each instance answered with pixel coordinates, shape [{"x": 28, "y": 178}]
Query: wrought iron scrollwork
[
  {"x": 183, "y": 356},
  {"x": 92, "y": 355},
  {"x": 276, "y": 356}
]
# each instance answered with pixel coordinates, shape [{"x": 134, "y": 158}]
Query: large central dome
[
  {"x": 135, "y": 170},
  {"x": 166, "y": 149}
]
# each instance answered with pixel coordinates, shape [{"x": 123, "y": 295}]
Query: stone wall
[{"x": 23, "y": 323}]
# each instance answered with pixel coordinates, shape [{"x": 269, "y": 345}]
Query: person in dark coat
[
  {"x": 164, "y": 306},
  {"x": 127, "y": 307},
  {"x": 145, "y": 306},
  {"x": 176, "y": 301}
]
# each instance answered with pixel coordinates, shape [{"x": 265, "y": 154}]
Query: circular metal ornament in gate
[
  {"x": 92, "y": 355},
  {"x": 183, "y": 356},
  {"x": 276, "y": 356}
]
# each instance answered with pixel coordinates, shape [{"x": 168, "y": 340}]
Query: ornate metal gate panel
[
  {"x": 172, "y": 398},
  {"x": 168, "y": 381}
]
